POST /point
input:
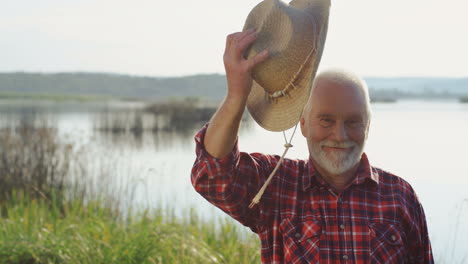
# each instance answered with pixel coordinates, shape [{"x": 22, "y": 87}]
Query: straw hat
[{"x": 294, "y": 35}]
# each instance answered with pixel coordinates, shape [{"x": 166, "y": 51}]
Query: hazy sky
[{"x": 167, "y": 38}]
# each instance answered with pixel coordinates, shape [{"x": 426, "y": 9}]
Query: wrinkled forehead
[
  {"x": 338, "y": 96},
  {"x": 338, "y": 86}
]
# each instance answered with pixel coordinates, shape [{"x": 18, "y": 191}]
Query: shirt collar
[{"x": 364, "y": 172}]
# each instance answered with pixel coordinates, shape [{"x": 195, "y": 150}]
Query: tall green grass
[
  {"x": 37, "y": 231},
  {"x": 46, "y": 216}
]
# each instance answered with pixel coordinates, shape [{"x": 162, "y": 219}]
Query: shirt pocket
[
  {"x": 301, "y": 240},
  {"x": 387, "y": 243}
]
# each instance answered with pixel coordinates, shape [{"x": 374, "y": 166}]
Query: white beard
[{"x": 336, "y": 162}]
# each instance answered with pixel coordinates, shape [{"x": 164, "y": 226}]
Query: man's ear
[
  {"x": 303, "y": 127},
  {"x": 367, "y": 129}
]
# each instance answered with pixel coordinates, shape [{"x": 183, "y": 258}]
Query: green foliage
[{"x": 31, "y": 231}]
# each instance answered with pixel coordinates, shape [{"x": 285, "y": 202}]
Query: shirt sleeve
[{"x": 231, "y": 183}]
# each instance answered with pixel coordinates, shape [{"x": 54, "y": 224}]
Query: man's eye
[
  {"x": 354, "y": 124},
  {"x": 326, "y": 122}
]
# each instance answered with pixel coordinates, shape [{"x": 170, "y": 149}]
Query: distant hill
[
  {"x": 426, "y": 86},
  {"x": 210, "y": 86},
  {"x": 123, "y": 86}
]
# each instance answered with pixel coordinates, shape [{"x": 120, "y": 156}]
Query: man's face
[{"x": 335, "y": 126}]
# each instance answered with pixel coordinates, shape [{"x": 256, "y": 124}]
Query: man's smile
[{"x": 329, "y": 149}]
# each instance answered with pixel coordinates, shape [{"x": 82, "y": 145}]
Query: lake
[{"x": 424, "y": 142}]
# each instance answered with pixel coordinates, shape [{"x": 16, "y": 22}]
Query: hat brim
[{"x": 282, "y": 113}]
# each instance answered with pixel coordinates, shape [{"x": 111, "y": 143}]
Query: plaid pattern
[{"x": 377, "y": 219}]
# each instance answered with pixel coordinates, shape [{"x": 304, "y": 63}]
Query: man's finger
[
  {"x": 257, "y": 59},
  {"x": 246, "y": 33},
  {"x": 245, "y": 42},
  {"x": 238, "y": 36},
  {"x": 241, "y": 36},
  {"x": 230, "y": 39}
]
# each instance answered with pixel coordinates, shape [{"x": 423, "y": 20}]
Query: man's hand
[
  {"x": 223, "y": 127},
  {"x": 238, "y": 69}
]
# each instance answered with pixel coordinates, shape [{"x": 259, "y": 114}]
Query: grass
[{"x": 36, "y": 231}]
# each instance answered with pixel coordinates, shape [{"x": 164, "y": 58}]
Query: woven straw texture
[{"x": 295, "y": 36}]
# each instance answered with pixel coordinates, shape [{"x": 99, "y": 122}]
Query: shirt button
[
  {"x": 341, "y": 226},
  {"x": 393, "y": 238},
  {"x": 298, "y": 235},
  {"x": 345, "y": 257}
]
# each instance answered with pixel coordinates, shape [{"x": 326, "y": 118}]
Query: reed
[
  {"x": 181, "y": 113},
  {"x": 32, "y": 160}
]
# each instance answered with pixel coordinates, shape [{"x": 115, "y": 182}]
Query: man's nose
[{"x": 339, "y": 132}]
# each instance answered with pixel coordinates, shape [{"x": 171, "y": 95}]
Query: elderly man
[{"x": 332, "y": 208}]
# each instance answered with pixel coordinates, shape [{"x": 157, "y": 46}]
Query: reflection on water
[
  {"x": 138, "y": 128},
  {"x": 156, "y": 139},
  {"x": 115, "y": 124}
]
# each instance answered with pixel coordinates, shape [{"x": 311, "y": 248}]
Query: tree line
[{"x": 206, "y": 86}]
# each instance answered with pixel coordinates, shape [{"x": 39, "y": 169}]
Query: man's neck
[{"x": 339, "y": 182}]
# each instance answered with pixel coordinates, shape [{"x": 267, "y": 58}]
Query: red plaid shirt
[{"x": 377, "y": 219}]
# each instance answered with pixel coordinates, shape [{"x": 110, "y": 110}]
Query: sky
[{"x": 177, "y": 38}]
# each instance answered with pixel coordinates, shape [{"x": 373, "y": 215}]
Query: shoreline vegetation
[
  {"x": 383, "y": 100},
  {"x": 156, "y": 105},
  {"x": 181, "y": 109},
  {"x": 49, "y": 216},
  {"x": 176, "y": 115},
  {"x": 51, "y": 97}
]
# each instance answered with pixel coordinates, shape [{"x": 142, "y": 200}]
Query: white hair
[{"x": 345, "y": 78}]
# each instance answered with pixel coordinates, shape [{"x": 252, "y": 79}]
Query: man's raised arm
[{"x": 222, "y": 130}]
